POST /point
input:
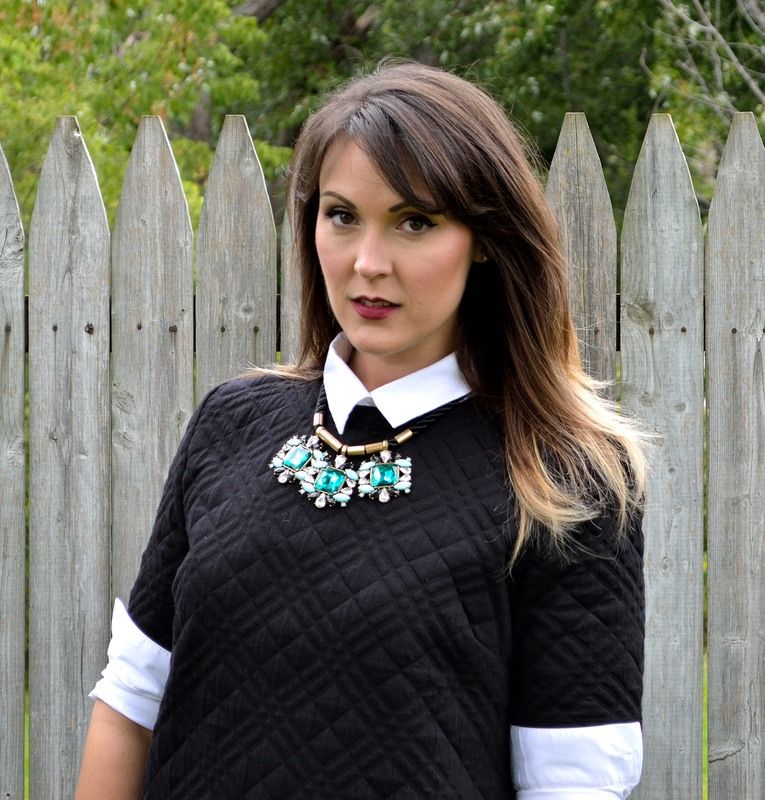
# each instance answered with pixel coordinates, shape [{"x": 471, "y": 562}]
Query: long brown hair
[{"x": 441, "y": 142}]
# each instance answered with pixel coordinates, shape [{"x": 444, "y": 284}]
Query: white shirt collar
[{"x": 398, "y": 401}]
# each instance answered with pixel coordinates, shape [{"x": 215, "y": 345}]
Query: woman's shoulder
[{"x": 260, "y": 392}]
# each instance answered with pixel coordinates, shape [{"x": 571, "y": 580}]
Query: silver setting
[{"x": 369, "y": 474}]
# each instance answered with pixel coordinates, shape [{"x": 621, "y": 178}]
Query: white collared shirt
[{"x": 398, "y": 401}]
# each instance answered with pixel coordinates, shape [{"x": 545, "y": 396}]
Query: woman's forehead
[{"x": 348, "y": 161}]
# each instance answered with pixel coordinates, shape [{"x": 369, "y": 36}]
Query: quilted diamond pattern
[
  {"x": 336, "y": 653},
  {"x": 578, "y": 630}
]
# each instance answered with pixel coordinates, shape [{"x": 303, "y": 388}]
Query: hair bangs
[{"x": 405, "y": 156}]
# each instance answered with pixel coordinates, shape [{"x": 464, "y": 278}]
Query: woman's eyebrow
[{"x": 345, "y": 201}]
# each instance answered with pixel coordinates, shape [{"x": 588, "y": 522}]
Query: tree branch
[
  {"x": 715, "y": 45},
  {"x": 260, "y": 9},
  {"x": 754, "y": 14},
  {"x": 732, "y": 57}
]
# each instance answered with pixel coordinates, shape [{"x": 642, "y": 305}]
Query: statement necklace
[{"x": 328, "y": 481}]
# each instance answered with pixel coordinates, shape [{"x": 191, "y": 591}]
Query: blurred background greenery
[{"x": 193, "y": 61}]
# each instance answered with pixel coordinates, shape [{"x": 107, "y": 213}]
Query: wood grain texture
[
  {"x": 236, "y": 264},
  {"x": 12, "y": 523},
  {"x": 152, "y": 341},
  {"x": 662, "y": 330},
  {"x": 290, "y": 296},
  {"x": 69, "y": 458},
  {"x": 76, "y": 430},
  {"x": 735, "y": 337},
  {"x": 577, "y": 192}
]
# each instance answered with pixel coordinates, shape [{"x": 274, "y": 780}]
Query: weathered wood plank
[
  {"x": 69, "y": 457},
  {"x": 576, "y": 190},
  {"x": 236, "y": 263},
  {"x": 12, "y": 523},
  {"x": 735, "y": 336},
  {"x": 662, "y": 329},
  {"x": 290, "y": 297},
  {"x": 152, "y": 341}
]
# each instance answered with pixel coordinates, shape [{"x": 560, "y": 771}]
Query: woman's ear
[{"x": 479, "y": 254}]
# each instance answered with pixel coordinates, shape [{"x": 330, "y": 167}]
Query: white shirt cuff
[
  {"x": 599, "y": 762},
  {"x": 134, "y": 679}
]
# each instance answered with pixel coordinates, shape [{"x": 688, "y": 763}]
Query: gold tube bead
[
  {"x": 404, "y": 436},
  {"x": 366, "y": 449},
  {"x": 329, "y": 439},
  {"x": 318, "y": 419}
]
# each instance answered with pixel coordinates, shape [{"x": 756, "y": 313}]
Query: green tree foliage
[
  {"x": 579, "y": 56},
  {"x": 111, "y": 62},
  {"x": 539, "y": 59},
  {"x": 192, "y": 61},
  {"x": 710, "y": 63}
]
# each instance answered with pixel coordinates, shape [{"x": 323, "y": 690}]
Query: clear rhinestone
[
  {"x": 320, "y": 501},
  {"x": 384, "y": 496},
  {"x": 284, "y": 477}
]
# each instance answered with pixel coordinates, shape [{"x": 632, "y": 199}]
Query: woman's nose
[{"x": 372, "y": 257}]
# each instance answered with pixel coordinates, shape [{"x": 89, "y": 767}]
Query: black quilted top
[{"x": 373, "y": 651}]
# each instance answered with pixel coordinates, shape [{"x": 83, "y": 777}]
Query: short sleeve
[
  {"x": 151, "y": 604},
  {"x": 578, "y": 629}
]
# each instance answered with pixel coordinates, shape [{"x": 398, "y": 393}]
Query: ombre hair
[{"x": 444, "y": 145}]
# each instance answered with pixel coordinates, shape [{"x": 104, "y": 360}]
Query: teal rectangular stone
[
  {"x": 297, "y": 457},
  {"x": 330, "y": 480},
  {"x": 383, "y": 475}
]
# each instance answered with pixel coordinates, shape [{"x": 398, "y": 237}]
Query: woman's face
[{"x": 394, "y": 274}]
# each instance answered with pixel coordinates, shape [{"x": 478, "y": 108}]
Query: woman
[{"x": 409, "y": 566}]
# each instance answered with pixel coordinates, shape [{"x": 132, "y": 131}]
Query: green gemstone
[
  {"x": 383, "y": 475},
  {"x": 330, "y": 480},
  {"x": 297, "y": 457}
]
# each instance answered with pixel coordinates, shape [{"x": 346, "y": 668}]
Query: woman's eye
[
  {"x": 417, "y": 223},
  {"x": 340, "y": 216}
]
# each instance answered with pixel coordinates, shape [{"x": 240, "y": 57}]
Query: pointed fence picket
[
  {"x": 735, "y": 337},
  {"x": 289, "y": 297},
  {"x": 236, "y": 263},
  {"x": 11, "y": 489},
  {"x": 103, "y": 430},
  {"x": 152, "y": 341},
  {"x": 68, "y": 456},
  {"x": 662, "y": 349},
  {"x": 576, "y": 190}
]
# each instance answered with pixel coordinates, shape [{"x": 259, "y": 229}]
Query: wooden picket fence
[{"x": 117, "y": 326}]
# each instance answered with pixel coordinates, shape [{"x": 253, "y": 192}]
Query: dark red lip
[{"x": 372, "y": 312}]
